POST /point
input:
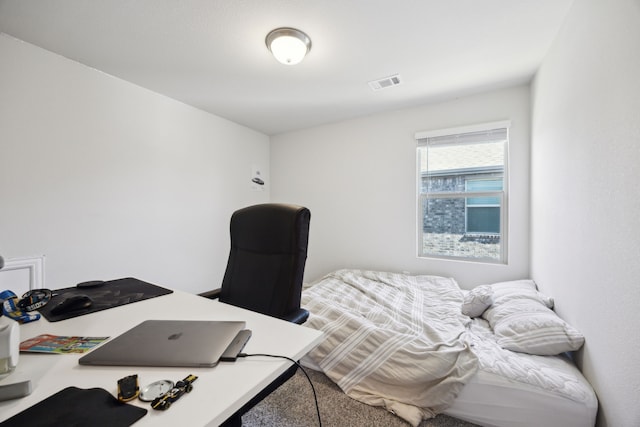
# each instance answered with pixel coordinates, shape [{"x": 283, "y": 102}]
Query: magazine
[{"x": 46, "y": 343}]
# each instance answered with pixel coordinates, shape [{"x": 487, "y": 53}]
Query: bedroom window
[{"x": 462, "y": 193}]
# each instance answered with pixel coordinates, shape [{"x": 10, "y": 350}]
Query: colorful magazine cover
[{"x": 46, "y": 343}]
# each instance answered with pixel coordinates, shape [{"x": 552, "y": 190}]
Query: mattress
[
  {"x": 520, "y": 390},
  {"x": 508, "y": 389},
  {"x": 491, "y": 400}
]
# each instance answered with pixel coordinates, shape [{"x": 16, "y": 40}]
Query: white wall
[
  {"x": 108, "y": 180},
  {"x": 585, "y": 204},
  {"x": 358, "y": 178}
]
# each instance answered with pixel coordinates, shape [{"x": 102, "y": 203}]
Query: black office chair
[{"x": 265, "y": 270}]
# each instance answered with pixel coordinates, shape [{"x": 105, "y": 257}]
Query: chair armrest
[
  {"x": 214, "y": 294},
  {"x": 299, "y": 316}
]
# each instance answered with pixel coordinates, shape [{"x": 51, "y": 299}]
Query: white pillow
[
  {"x": 523, "y": 321},
  {"x": 520, "y": 287},
  {"x": 477, "y": 300}
]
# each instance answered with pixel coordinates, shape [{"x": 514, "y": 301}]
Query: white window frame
[{"x": 421, "y": 139}]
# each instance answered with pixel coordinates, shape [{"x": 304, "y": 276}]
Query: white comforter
[{"x": 392, "y": 340}]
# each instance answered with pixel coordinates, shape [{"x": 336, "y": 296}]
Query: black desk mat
[
  {"x": 74, "y": 406},
  {"x": 112, "y": 294}
]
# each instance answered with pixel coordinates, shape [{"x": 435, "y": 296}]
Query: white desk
[{"x": 217, "y": 393}]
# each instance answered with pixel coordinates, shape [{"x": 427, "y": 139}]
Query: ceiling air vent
[{"x": 385, "y": 82}]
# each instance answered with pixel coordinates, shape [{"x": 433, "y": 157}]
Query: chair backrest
[{"x": 267, "y": 258}]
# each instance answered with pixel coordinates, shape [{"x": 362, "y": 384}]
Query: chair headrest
[{"x": 271, "y": 228}]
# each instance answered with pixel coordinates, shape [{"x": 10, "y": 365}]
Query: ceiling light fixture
[{"x": 288, "y": 45}]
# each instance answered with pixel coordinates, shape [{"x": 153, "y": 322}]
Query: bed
[{"x": 419, "y": 346}]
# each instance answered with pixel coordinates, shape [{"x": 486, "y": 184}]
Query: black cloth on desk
[
  {"x": 112, "y": 294},
  {"x": 76, "y": 407}
]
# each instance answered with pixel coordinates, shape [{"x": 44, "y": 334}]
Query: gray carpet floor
[{"x": 292, "y": 405}]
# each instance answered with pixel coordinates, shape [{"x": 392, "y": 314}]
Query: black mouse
[{"x": 72, "y": 303}]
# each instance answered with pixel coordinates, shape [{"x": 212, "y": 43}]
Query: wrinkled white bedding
[
  {"x": 518, "y": 389},
  {"x": 401, "y": 342},
  {"x": 392, "y": 340},
  {"x": 554, "y": 374}
]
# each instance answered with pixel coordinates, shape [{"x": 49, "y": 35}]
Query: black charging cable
[{"x": 315, "y": 396}]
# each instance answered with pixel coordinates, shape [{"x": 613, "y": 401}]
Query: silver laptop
[{"x": 184, "y": 343}]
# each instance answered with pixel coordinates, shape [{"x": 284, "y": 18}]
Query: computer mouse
[{"x": 72, "y": 303}]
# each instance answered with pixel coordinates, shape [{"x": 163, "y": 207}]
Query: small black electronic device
[
  {"x": 72, "y": 303},
  {"x": 128, "y": 388}
]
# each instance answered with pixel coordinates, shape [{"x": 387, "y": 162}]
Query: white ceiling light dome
[{"x": 288, "y": 45}]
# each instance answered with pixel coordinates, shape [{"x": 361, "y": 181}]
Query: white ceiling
[{"x": 211, "y": 53}]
